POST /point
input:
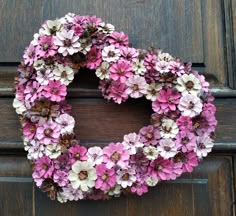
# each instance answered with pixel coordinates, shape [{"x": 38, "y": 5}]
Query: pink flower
[
  {"x": 121, "y": 71},
  {"x": 163, "y": 67},
  {"x": 67, "y": 123},
  {"x": 30, "y": 55},
  {"x": 210, "y": 108},
  {"x": 161, "y": 168},
  {"x": 126, "y": 177},
  {"x": 128, "y": 53},
  {"x": 32, "y": 91},
  {"x": 62, "y": 163},
  {"x": 43, "y": 169},
  {"x": 150, "y": 61},
  {"x": 119, "y": 39},
  {"x": 137, "y": 86},
  {"x": 115, "y": 155},
  {"x": 166, "y": 101},
  {"x": 185, "y": 141},
  {"x": 60, "y": 177},
  {"x": 132, "y": 142},
  {"x": 190, "y": 105},
  {"x": 149, "y": 135},
  {"x": 78, "y": 152},
  {"x": 118, "y": 93},
  {"x": 204, "y": 145},
  {"x": 93, "y": 58},
  {"x": 139, "y": 162},
  {"x": 67, "y": 42},
  {"x": 139, "y": 188},
  {"x": 48, "y": 133},
  {"x": 184, "y": 123},
  {"x": 55, "y": 91},
  {"x": 187, "y": 160},
  {"x": 176, "y": 67},
  {"x": 46, "y": 47},
  {"x": 29, "y": 130},
  {"x": 106, "y": 178}
]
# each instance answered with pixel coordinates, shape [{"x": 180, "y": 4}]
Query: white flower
[
  {"x": 169, "y": 128},
  {"x": 204, "y": 145},
  {"x": 150, "y": 152},
  {"x": 43, "y": 76},
  {"x": 51, "y": 27},
  {"x": 153, "y": 91},
  {"x": 126, "y": 178},
  {"x": 162, "y": 67},
  {"x": 139, "y": 67},
  {"x": 115, "y": 191},
  {"x": 110, "y": 53},
  {"x": 67, "y": 123},
  {"x": 69, "y": 193},
  {"x": 85, "y": 46},
  {"x": 19, "y": 106},
  {"x": 64, "y": 73},
  {"x": 190, "y": 105},
  {"x": 82, "y": 175},
  {"x": 106, "y": 28},
  {"x": 53, "y": 151},
  {"x": 132, "y": 142},
  {"x": 102, "y": 72},
  {"x": 95, "y": 155},
  {"x": 35, "y": 41},
  {"x": 137, "y": 86},
  {"x": 151, "y": 181},
  {"x": 167, "y": 148},
  {"x": 188, "y": 83},
  {"x": 68, "y": 18}
]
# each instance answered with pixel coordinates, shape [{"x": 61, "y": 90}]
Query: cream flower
[
  {"x": 51, "y": 27},
  {"x": 164, "y": 56},
  {"x": 102, "y": 72},
  {"x": 190, "y": 105},
  {"x": 82, "y": 175},
  {"x": 106, "y": 28},
  {"x": 169, "y": 128},
  {"x": 64, "y": 73},
  {"x": 151, "y": 181},
  {"x": 115, "y": 191},
  {"x": 153, "y": 91},
  {"x": 19, "y": 106},
  {"x": 53, "y": 151},
  {"x": 188, "y": 83},
  {"x": 139, "y": 67},
  {"x": 150, "y": 152}
]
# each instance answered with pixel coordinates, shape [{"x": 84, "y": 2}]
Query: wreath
[{"x": 181, "y": 129}]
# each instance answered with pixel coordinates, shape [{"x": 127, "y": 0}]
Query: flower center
[
  {"x": 149, "y": 135},
  {"x": 32, "y": 128},
  {"x": 111, "y": 54},
  {"x": 64, "y": 74},
  {"x": 167, "y": 129},
  {"x": 197, "y": 125},
  {"x": 135, "y": 87},
  {"x": 115, "y": 156},
  {"x": 201, "y": 146},
  {"x": 185, "y": 140},
  {"x": 55, "y": 90},
  {"x": 77, "y": 155},
  {"x": 125, "y": 177},
  {"x": 189, "y": 85},
  {"x": 105, "y": 177},
  {"x": 180, "y": 157},
  {"x": 191, "y": 105},
  {"x": 47, "y": 132},
  {"x": 167, "y": 148},
  {"x": 45, "y": 112},
  {"x": 45, "y": 46},
  {"x": 67, "y": 42},
  {"x": 120, "y": 71},
  {"x": 158, "y": 167},
  {"x": 45, "y": 166},
  {"x": 53, "y": 30},
  {"x": 83, "y": 175}
]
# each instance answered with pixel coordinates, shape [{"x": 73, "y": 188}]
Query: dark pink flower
[
  {"x": 43, "y": 169},
  {"x": 62, "y": 162},
  {"x": 166, "y": 101},
  {"x": 115, "y": 154},
  {"x": 29, "y": 130},
  {"x": 139, "y": 162},
  {"x": 55, "y": 91},
  {"x": 78, "y": 152},
  {"x": 184, "y": 123},
  {"x": 48, "y": 133},
  {"x": 185, "y": 141},
  {"x": 149, "y": 135},
  {"x": 128, "y": 53},
  {"x": 106, "y": 178},
  {"x": 119, "y": 39},
  {"x": 93, "y": 58},
  {"x": 46, "y": 47},
  {"x": 161, "y": 168},
  {"x": 121, "y": 71},
  {"x": 150, "y": 61},
  {"x": 210, "y": 108}
]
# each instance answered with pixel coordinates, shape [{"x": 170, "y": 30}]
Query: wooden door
[{"x": 200, "y": 31}]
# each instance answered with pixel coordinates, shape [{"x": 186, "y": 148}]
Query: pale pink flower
[
  {"x": 110, "y": 53},
  {"x": 43, "y": 76},
  {"x": 115, "y": 154},
  {"x": 126, "y": 177},
  {"x": 150, "y": 61},
  {"x": 67, "y": 42},
  {"x": 60, "y": 177},
  {"x": 163, "y": 67},
  {"x": 118, "y": 39},
  {"x": 167, "y": 148},
  {"x": 149, "y": 135},
  {"x": 190, "y": 105},
  {"x": 132, "y": 142},
  {"x": 129, "y": 53},
  {"x": 204, "y": 145},
  {"x": 67, "y": 123},
  {"x": 185, "y": 141},
  {"x": 30, "y": 55},
  {"x": 137, "y": 86},
  {"x": 95, "y": 155},
  {"x": 177, "y": 67}
]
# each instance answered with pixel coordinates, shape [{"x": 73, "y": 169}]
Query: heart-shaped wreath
[{"x": 179, "y": 136}]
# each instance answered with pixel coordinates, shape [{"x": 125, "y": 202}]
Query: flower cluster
[{"x": 181, "y": 128}]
